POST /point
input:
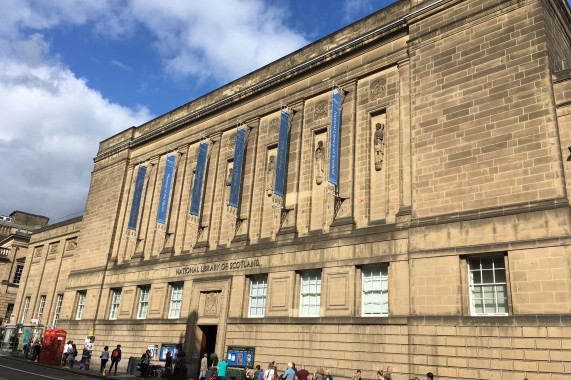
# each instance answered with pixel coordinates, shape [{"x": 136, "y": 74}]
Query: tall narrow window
[
  {"x": 41, "y": 308},
  {"x": 115, "y": 301},
  {"x": 80, "y": 304},
  {"x": 488, "y": 287},
  {"x": 310, "y": 294},
  {"x": 143, "y": 302},
  {"x": 18, "y": 274},
  {"x": 9, "y": 311},
  {"x": 25, "y": 312},
  {"x": 176, "y": 300},
  {"x": 258, "y": 289},
  {"x": 58, "y": 309},
  {"x": 375, "y": 296}
]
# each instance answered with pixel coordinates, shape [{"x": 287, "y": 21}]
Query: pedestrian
[
  {"x": 289, "y": 374},
  {"x": 203, "y": 367},
  {"x": 389, "y": 373},
  {"x": 145, "y": 360},
  {"x": 357, "y": 375},
  {"x": 177, "y": 367},
  {"x": 222, "y": 368},
  {"x": 115, "y": 358},
  {"x": 302, "y": 374},
  {"x": 319, "y": 374},
  {"x": 66, "y": 351},
  {"x": 71, "y": 356},
  {"x": 262, "y": 373},
  {"x": 168, "y": 365},
  {"x": 104, "y": 358},
  {"x": 380, "y": 375},
  {"x": 430, "y": 376},
  {"x": 26, "y": 351},
  {"x": 328, "y": 375}
]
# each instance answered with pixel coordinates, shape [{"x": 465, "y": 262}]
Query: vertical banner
[
  {"x": 236, "y": 172},
  {"x": 166, "y": 190},
  {"x": 281, "y": 155},
  {"x": 334, "y": 141},
  {"x": 135, "y": 205},
  {"x": 198, "y": 179}
]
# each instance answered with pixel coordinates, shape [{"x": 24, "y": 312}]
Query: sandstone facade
[{"x": 451, "y": 255}]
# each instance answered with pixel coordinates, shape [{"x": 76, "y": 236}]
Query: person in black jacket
[{"x": 115, "y": 358}]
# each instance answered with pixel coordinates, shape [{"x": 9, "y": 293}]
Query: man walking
[
  {"x": 289, "y": 374},
  {"x": 302, "y": 374},
  {"x": 222, "y": 369},
  {"x": 115, "y": 358}
]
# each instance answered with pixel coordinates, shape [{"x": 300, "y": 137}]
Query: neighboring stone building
[{"x": 446, "y": 248}]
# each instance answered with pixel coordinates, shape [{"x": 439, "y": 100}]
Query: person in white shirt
[{"x": 68, "y": 348}]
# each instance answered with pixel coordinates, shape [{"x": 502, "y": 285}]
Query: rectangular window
[
  {"x": 176, "y": 301},
  {"x": 258, "y": 289},
  {"x": 488, "y": 287},
  {"x": 9, "y": 312},
  {"x": 41, "y": 308},
  {"x": 18, "y": 274},
  {"x": 25, "y": 312},
  {"x": 143, "y": 302},
  {"x": 80, "y": 304},
  {"x": 58, "y": 309},
  {"x": 115, "y": 301},
  {"x": 310, "y": 294},
  {"x": 375, "y": 291}
]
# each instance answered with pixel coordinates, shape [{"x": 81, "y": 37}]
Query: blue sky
[{"x": 74, "y": 72}]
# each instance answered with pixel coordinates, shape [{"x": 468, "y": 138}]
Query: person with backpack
[
  {"x": 115, "y": 358},
  {"x": 145, "y": 361}
]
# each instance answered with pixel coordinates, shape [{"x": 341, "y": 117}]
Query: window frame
[
  {"x": 81, "y": 297},
  {"x": 144, "y": 290},
  {"x": 41, "y": 307},
  {"x": 177, "y": 290},
  {"x": 307, "y": 276},
  {"x": 494, "y": 284},
  {"x": 18, "y": 273},
  {"x": 57, "y": 310},
  {"x": 9, "y": 312},
  {"x": 116, "y": 294},
  {"x": 383, "y": 272},
  {"x": 26, "y": 307},
  {"x": 255, "y": 282}
]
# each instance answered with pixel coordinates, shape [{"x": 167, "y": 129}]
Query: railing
[{"x": 4, "y": 251}]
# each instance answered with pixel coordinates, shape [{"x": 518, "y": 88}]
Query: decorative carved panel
[
  {"x": 38, "y": 251},
  {"x": 321, "y": 109},
  {"x": 274, "y": 127},
  {"x": 71, "y": 244},
  {"x": 53, "y": 248},
  {"x": 378, "y": 88},
  {"x": 211, "y": 304}
]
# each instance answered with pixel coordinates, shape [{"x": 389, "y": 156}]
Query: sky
[{"x": 75, "y": 72}]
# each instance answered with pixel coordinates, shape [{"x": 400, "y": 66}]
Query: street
[{"x": 11, "y": 369}]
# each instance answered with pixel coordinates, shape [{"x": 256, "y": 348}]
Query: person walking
[
  {"x": 104, "y": 358},
  {"x": 115, "y": 358},
  {"x": 222, "y": 369},
  {"x": 168, "y": 365},
  {"x": 145, "y": 360},
  {"x": 289, "y": 374},
  {"x": 177, "y": 367},
  {"x": 71, "y": 356},
  {"x": 302, "y": 374},
  {"x": 66, "y": 351},
  {"x": 203, "y": 367}
]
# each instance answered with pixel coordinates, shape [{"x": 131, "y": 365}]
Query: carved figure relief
[
  {"x": 228, "y": 181},
  {"x": 211, "y": 304},
  {"x": 271, "y": 175},
  {"x": 53, "y": 248},
  {"x": 320, "y": 109},
  {"x": 378, "y": 89},
  {"x": 319, "y": 162},
  {"x": 71, "y": 245},
  {"x": 274, "y": 127},
  {"x": 38, "y": 251},
  {"x": 379, "y": 139}
]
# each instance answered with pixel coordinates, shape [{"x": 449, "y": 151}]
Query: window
[
  {"x": 143, "y": 302},
  {"x": 488, "y": 288},
  {"x": 115, "y": 301},
  {"x": 18, "y": 274},
  {"x": 80, "y": 304},
  {"x": 258, "y": 289},
  {"x": 26, "y": 306},
  {"x": 9, "y": 312},
  {"x": 176, "y": 300},
  {"x": 375, "y": 294},
  {"x": 41, "y": 307},
  {"x": 310, "y": 294},
  {"x": 58, "y": 309}
]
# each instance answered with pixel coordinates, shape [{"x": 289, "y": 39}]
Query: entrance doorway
[{"x": 208, "y": 343}]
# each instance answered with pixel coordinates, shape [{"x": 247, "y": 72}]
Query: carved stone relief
[
  {"x": 71, "y": 245},
  {"x": 319, "y": 158},
  {"x": 38, "y": 251},
  {"x": 321, "y": 109},
  {"x": 53, "y": 248},
  {"x": 378, "y": 88},
  {"x": 228, "y": 179},
  {"x": 378, "y": 143},
  {"x": 274, "y": 127},
  {"x": 232, "y": 141},
  {"x": 270, "y": 175},
  {"x": 211, "y": 304}
]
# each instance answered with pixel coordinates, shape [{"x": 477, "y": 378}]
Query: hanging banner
[
  {"x": 281, "y": 155},
  {"x": 334, "y": 139},
  {"x": 237, "y": 168},
  {"x": 166, "y": 189},
  {"x": 135, "y": 205},
  {"x": 198, "y": 179}
]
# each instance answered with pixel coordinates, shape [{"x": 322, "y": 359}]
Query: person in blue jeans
[{"x": 222, "y": 369}]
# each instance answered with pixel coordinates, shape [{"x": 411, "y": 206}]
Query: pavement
[{"x": 21, "y": 367}]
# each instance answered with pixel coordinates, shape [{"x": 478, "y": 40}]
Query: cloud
[
  {"x": 51, "y": 125},
  {"x": 120, "y": 65},
  {"x": 353, "y": 9}
]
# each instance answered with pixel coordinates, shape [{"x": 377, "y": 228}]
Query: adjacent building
[{"x": 396, "y": 193}]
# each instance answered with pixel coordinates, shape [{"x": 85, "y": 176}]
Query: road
[{"x": 11, "y": 369}]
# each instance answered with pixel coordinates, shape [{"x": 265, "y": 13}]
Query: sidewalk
[{"x": 93, "y": 372}]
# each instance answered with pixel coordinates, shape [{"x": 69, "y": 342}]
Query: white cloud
[
  {"x": 354, "y": 8},
  {"x": 51, "y": 125}
]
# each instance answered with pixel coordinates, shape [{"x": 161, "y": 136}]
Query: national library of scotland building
[{"x": 396, "y": 193}]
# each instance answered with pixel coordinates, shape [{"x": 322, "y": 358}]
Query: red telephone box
[{"x": 52, "y": 347}]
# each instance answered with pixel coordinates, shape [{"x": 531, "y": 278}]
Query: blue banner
[
  {"x": 281, "y": 156},
  {"x": 166, "y": 190},
  {"x": 334, "y": 139},
  {"x": 198, "y": 178},
  {"x": 135, "y": 205},
  {"x": 237, "y": 168}
]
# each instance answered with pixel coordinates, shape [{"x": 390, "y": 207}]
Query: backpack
[{"x": 115, "y": 353}]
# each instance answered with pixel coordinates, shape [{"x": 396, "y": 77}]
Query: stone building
[{"x": 443, "y": 247}]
